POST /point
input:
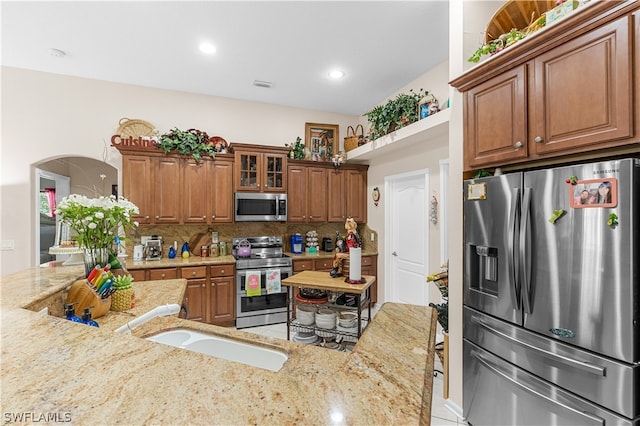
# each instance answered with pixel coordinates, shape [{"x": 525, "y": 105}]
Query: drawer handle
[
  {"x": 193, "y": 273},
  {"x": 202, "y": 285},
  {"x": 163, "y": 275},
  {"x": 222, "y": 271}
]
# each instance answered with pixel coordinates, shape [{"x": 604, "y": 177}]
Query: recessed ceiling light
[
  {"x": 336, "y": 74},
  {"x": 207, "y": 48}
]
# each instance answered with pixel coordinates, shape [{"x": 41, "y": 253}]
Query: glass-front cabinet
[{"x": 259, "y": 169}]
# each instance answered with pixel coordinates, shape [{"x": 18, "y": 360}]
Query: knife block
[{"x": 83, "y": 296}]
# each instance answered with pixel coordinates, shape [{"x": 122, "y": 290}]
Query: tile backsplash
[{"x": 227, "y": 231}]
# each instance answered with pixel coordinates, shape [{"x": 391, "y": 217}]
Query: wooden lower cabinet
[
  {"x": 222, "y": 295},
  {"x": 210, "y": 293},
  {"x": 369, "y": 267}
]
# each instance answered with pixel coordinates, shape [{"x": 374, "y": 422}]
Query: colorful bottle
[
  {"x": 86, "y": 318},
  {"x": 70, "y": 313}
]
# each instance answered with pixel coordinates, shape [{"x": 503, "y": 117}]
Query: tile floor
[{"x": 440, "y": 415}]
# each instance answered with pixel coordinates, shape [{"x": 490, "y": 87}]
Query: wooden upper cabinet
[
  {"x": 583, "y": 91},
  {"x": 136, "y": 181},
  {"x": 495, "y": 117},
  {"x": 221, "y": 191},
  {"x": 307, "y": 195},
  {"x": 151, "y": 183},
  {"x": 165, "y": 189},
  {"x": 260, "y": 169},
  {"x": 566, "y": 92},
  {"x": 207, "y": 191},
  {"x": 346, "y": 195}
]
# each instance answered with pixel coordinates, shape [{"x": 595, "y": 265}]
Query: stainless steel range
[{"x": 260, "y": 254}]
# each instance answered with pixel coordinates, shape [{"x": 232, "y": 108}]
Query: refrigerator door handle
[
  {"x": 514, "y": 216},
  {"x": 585, "y": 366},
  {"x": 539, "y": 394},
  {"x": 525, "y": 250}
]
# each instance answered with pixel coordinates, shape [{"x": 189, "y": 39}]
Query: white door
[{"x": 407, "y": 237}]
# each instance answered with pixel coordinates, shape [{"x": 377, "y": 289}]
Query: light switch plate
[{"x": 6, "y": 245}]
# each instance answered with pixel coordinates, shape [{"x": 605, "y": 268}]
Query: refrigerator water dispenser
[{"x": 484, "y": 267}]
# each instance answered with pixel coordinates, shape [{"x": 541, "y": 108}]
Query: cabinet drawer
[
  {"x": 138, "y": 275},
  {"x": 368, "y": 270},
  {"x": 323, "y": 264},
  {"x": 163, "y": 274},
  {"x": 368, "y": 260},
  {"x": 302, "y": 265},
  {"x": 193, "y": 272},
  {"x": 222, "y": 270}
]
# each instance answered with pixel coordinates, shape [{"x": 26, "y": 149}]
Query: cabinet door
[
  {"x": 220, "y": 191},
  {"x": 195, "y": 299},
  {"x": 495, "y": 120},
  {"x": 222, "y": 299},
  {"x": 335, "y": 196},
  {"x": 297, "y": 194},
  {"x": 136, "y": 182},
  {"x": 247, "y": 166},
  {"x": 583, "y": 91},
  {"x": 316, "y": 194},
  {"x": 166, "y": 190},
  {"x": 356, "y": 199},
  {"x": 274, "y": 168},
  {"x": 195, "y": 199}
]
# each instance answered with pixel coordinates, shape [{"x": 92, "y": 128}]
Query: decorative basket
[
  {"x": 516, "y": 14},
  {"x": 123, "y": 299},
  {"x": 353, "y": 140},
  {"x": 135, "y": 128},
  {"x": 83, "y": 296}
]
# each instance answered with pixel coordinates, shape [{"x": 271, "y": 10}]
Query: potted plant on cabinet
[{"x": 190, "y": 142}]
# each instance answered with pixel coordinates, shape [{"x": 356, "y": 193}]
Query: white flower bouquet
[{"x": 97, "y": 220}]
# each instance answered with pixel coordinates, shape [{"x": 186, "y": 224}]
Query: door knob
[{"x": 394, "y": 254}]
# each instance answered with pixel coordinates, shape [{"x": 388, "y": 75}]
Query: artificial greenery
[
  {"x": 297, "y": 149},
  {"x": 190, "y": 142},
  {"x": 504, "y": 41},
  {"x": 395, "y": 114}
]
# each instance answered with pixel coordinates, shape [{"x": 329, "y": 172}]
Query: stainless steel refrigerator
[{"x": 551, "y": 296}]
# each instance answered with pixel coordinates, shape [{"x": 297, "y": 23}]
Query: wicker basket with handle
[
  {"x": 518, "y": 14},
  {"x": 135, "y": 128},
  {"x": 353, "y": 139}
]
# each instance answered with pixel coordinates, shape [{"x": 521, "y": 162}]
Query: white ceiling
[{"x": 381, "y": 45}]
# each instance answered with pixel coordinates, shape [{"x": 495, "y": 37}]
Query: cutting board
[{"x": 197, "y": 241}]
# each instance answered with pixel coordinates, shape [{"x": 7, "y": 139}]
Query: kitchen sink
[{"x": 221, "y": 347}]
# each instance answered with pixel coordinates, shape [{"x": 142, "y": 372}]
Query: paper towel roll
[{"x": 355, "y": 264}]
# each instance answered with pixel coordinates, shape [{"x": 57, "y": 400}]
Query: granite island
[{"x": 55, "y": 370}]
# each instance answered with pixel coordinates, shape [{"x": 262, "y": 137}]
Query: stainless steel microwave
[{"x": 260, "y": 207}]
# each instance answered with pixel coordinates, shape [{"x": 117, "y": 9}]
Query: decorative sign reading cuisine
[{"x": 141, "y": 141}]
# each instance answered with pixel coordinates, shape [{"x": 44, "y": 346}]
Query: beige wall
[
  {"x": 424, "y": 155},
  {"x": 47, "y": 116}
]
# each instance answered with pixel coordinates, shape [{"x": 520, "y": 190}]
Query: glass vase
[{"x": 93, "y": 257}]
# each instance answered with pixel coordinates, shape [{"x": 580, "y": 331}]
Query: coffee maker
[{"x": 153, "y": 248}]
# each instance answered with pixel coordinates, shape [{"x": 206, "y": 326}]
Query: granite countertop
[
  {"x": 53, "y": 367},
  {"x": 178, "y": 261}
]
